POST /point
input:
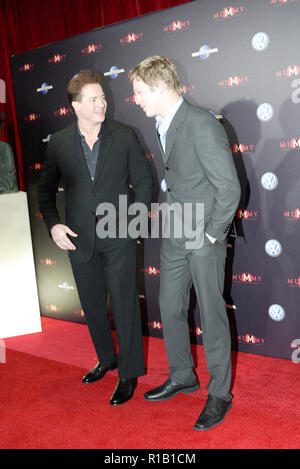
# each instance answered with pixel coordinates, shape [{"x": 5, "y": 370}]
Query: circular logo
[
  {"x": 269, "y": 181},
  {"x": 66, "y": 286},
  {"x": 260, "y": 41},
  {"x": 276, "y": 312},
  {"x": 265, "y": 112},
  {"x": 204, "y": 52},
  {"x": 273, "y": 248},
  {"x": 114, "y": 72},
  {"x": 44, "y": 88}
]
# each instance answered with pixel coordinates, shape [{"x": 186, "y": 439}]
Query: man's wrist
[{"x": 211, "y": 238}]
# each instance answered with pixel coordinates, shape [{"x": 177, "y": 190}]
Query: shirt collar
[
  {"x": 164, "y": 123},
  {"x": 82, "y": 136}
]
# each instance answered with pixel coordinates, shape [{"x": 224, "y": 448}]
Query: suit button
[
  {"x": 167, "y": 168},
  {"x": 169, "y": 190}
]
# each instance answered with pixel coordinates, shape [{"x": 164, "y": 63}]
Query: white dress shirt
[{"x": 163, "y": 124}]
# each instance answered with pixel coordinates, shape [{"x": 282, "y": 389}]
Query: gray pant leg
[
  {"x": 174, "y": 295},
  {"x": 208, "y": 270}
]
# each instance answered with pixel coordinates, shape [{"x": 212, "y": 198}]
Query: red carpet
[{"x": 44, "y": 405}]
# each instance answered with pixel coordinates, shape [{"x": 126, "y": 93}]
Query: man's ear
[
  {"x": 160, "y": 85},
  {"x": 75, "y": 105}
]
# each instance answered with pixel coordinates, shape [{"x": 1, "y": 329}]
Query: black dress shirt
[{"x": 91, "y": 156}]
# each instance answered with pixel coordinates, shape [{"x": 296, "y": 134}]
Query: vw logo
[
  {"x": 260, "y": 41},
  {"x": 265, "y": 112},
  {"x": 276, "y": 312},
  {"x": 273, "y": 248},
  {"x": 269, "y": 181}
]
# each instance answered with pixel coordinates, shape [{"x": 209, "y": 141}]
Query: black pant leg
[
  {"x": 92, "y": 290},
  {"x": 120, "y": 267}
]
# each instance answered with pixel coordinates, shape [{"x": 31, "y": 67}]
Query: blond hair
[{"x": 155, "y": 68}]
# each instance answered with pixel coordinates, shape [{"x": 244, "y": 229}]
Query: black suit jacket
[{"x": 122, "y": 169}]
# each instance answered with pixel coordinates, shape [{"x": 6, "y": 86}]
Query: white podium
[{"x": 19, "y": 305}]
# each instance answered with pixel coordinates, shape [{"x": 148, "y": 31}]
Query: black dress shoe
[
  {"x": 213, "y": 413},
  {"x": 123, "y": 391},
  {"x": 98, "y": 372},
  {"x": 170, "y": 389}
]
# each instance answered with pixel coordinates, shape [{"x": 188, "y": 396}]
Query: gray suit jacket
[{"x": 199, "y": 168}]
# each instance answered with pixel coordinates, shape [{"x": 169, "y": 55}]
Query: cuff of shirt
[{"x": 211, "y": 238}]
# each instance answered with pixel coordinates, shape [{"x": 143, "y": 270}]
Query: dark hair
[{"x": 82, "y": 78}]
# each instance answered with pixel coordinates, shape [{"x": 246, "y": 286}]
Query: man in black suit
[
  {"x": 199, "y": 169},
  {"x": 98, "y": 161}
]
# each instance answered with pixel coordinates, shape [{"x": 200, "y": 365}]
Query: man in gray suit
[{"x": 199, "y": 169}]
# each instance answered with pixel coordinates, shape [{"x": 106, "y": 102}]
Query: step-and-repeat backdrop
[{"x": 239, "y": 60}]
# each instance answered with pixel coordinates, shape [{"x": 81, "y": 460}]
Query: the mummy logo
[
  {"x": 246, "y": 278},
  {"x": 32, "y": 117},
  {"x": 233, "y": 81},
  {"x": 228, "y": 12},
  {"x": 57, "y": 58},
  {"x": 131, "y": 38},
  {"x": 293, "y": 144},
  {"x": 91, "y": 49},
  {"x": 288, "y": 72},
  {"x": 26, "y": 67},
  {"x": 176, "y": 25}
]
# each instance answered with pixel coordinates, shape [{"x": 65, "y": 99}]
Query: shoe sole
[
  {"x": 215, "y": 424},
  {"x": 184, "y": 391}
]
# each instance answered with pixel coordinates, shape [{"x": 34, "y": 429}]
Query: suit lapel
[
  {"x": 176, "y": 123},
  {"x": 78, "y": 159},
  {"x": 106, "y": 140},
  {"x": 160, "y": 145}
]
